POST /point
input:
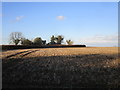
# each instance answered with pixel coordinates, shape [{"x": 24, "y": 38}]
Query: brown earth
[{"x": 61, "y": 67}]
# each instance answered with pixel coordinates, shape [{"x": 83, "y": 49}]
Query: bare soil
[{"x": 96, "y": 67}]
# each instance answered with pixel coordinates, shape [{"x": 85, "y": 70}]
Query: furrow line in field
[
  {"x": 16, "y": 54},
  {"x": 21, "y": 54},
  {"x": 15, "y": 61},
  {"x": 28, "y": 53}
]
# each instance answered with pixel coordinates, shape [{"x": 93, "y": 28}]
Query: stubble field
[{"x": 61, "y": 68}]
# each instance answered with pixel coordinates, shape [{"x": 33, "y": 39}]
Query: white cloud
[
  {"x": 60, "y": 17},
  {"x": 101, "y": 40},
  {"x": 18, "y": 18},
  {"x": 104, "y": 39}
]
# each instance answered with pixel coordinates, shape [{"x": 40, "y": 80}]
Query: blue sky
[{"x": 90, "y": 23}]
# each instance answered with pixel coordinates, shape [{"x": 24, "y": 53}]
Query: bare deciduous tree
[{"x": 15, "y": 37}]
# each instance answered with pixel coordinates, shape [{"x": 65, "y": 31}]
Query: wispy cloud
[
  {"x": 18, "y": 18},
  {"x": 100, "y": 40},
  {"x": 60, "y": 17},
  {"x": 103, "y": 39}
]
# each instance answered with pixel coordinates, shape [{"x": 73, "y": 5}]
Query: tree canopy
[
  {"x": 37, "y": 41},
  {"x": 17, "y": 37},
  {"x": 69, "y": 42}
]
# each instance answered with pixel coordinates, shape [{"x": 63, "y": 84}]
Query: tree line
[{"x": 17, "y": 38}]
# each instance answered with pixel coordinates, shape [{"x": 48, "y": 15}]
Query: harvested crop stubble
[{"x": 61, "y": 67}]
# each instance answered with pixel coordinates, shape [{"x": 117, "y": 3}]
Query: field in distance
[{"x": 61, "y": 67}]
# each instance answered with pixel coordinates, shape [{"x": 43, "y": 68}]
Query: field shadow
[{"x": 61, "y": 71}]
